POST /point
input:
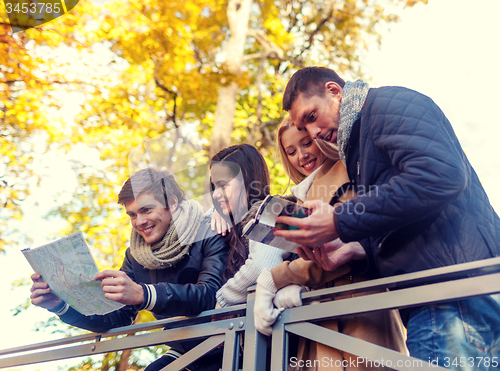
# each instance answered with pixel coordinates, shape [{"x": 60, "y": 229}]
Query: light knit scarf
[
  {"x": 176, "y": 243},
  {"x": 353, "y": 97}
]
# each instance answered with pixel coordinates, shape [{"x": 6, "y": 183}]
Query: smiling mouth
[
  {"x": 147, "y": 230},
  {"x": 309, "y": 165}
]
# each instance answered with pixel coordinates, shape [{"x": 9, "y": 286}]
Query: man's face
[
  {"x": 149, "y": 218},
  {"x": 319, "y": 115}
]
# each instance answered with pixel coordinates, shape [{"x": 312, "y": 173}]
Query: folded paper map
[{"x": 69, "y": 268}]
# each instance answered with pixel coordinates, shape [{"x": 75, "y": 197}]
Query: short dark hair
[
  {"x": 160, "y": 183},
  {"x": 310, "y": 81}
]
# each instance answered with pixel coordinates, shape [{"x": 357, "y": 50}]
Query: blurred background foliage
[{"x": 136, "y": 70}]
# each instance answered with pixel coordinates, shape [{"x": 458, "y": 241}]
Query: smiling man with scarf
[
  {"x": 173, "y": 266},
  {"x": 420, "y": 204}
]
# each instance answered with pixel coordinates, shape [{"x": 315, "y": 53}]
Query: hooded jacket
[{"x": 420, "y": 204}]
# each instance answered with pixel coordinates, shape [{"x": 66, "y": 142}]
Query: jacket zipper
[{"x": 357, "y": 175}]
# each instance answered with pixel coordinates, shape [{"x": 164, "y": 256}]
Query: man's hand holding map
[{"x": 69, "y": 269}]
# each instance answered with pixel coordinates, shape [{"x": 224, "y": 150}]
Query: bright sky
[{"x": 448, "y": 50}]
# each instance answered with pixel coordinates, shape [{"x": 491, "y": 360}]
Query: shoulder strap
[{"x": 345, "y": 192}]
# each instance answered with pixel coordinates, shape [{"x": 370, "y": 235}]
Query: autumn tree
[
  {"x": 284, "y": 34},
  {"x": 221, "y": 65},
  {"x": 25, "y": 101},
  {"x": 218, "y": 65},
  {"x": 32, "y": 76}
]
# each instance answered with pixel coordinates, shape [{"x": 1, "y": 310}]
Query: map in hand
[{"x": 69, "y": 268}]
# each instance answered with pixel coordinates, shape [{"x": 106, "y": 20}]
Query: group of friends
[{"x": 387, "y": 153}]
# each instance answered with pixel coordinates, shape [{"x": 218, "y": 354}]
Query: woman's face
[
  {"x": 229, "y": 190},
  {"x": 302, "y": 151}
]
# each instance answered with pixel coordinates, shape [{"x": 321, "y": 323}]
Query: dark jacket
[
  {"x": 420, "y": 204},
  {"x": 186, "y": 289}
]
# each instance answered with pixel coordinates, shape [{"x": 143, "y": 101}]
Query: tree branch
[
  {"x": 297, "y": 62},
  {"x": 157, "y": 81},
  {"x": 295, "y": 19},
  {"x": 316, "y": 31},
  {"x": 267, "y": 45}
]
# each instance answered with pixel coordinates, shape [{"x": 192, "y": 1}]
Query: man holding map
[{"x": 173, "y": 266}]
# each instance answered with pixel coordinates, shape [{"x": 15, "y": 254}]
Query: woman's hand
[
  {"x": 219, "y": 223},
  {"x": 333, "y": 254}
]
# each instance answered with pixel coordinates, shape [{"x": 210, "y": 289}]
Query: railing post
[
  {"x": 255, "y": 350},
  {"x": 231, "y": 358},
  {"x": 279, "y": 347}
]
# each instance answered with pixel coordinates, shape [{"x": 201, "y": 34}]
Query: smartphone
[{"x": 295, "y": 211}]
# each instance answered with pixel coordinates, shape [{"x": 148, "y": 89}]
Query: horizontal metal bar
[
  {"x": 173, "y": 322},
  {"x": 128, "y": 342},
  {"x": 443, "y": 274},
  {"x": 379, "y": 356},
  {"x": 404, "y": 298},
  {"x": 51, "y": 344}
]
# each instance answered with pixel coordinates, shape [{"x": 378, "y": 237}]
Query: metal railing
[{"x": 214, "y": 328}]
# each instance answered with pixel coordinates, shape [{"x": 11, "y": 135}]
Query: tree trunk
[
  {"x": 123, "y": 364},
  {"x": 224, "y": 118},
  {"x": 238, "y": 13}
]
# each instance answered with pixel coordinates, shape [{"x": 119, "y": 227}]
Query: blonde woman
[{"x": 319, "y": 175}]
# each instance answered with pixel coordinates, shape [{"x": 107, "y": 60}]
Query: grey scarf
[
  {"x": 176, "y": 243},
  {"x": 353, "y": 97}
]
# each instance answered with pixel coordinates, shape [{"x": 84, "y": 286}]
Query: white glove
[
  {"x": 289, "y": 296},
  {"x": 265, "y": 313}
]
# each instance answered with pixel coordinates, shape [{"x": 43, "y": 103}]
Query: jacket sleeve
[
  {"x": 305, "y": 273},
  {"x": 261, "y": 256},
  {"x": 413, "y": 138},
  {"x": 96, "y": 323},
  {"x": 174, "y": 299}
]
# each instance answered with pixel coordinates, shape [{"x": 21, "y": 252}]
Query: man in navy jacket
[
  {"x": 173, "y": 266},
  {"x": 420, "y": 204}
]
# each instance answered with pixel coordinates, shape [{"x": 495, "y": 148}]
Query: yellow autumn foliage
[{"x": 145, "y": 68}]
